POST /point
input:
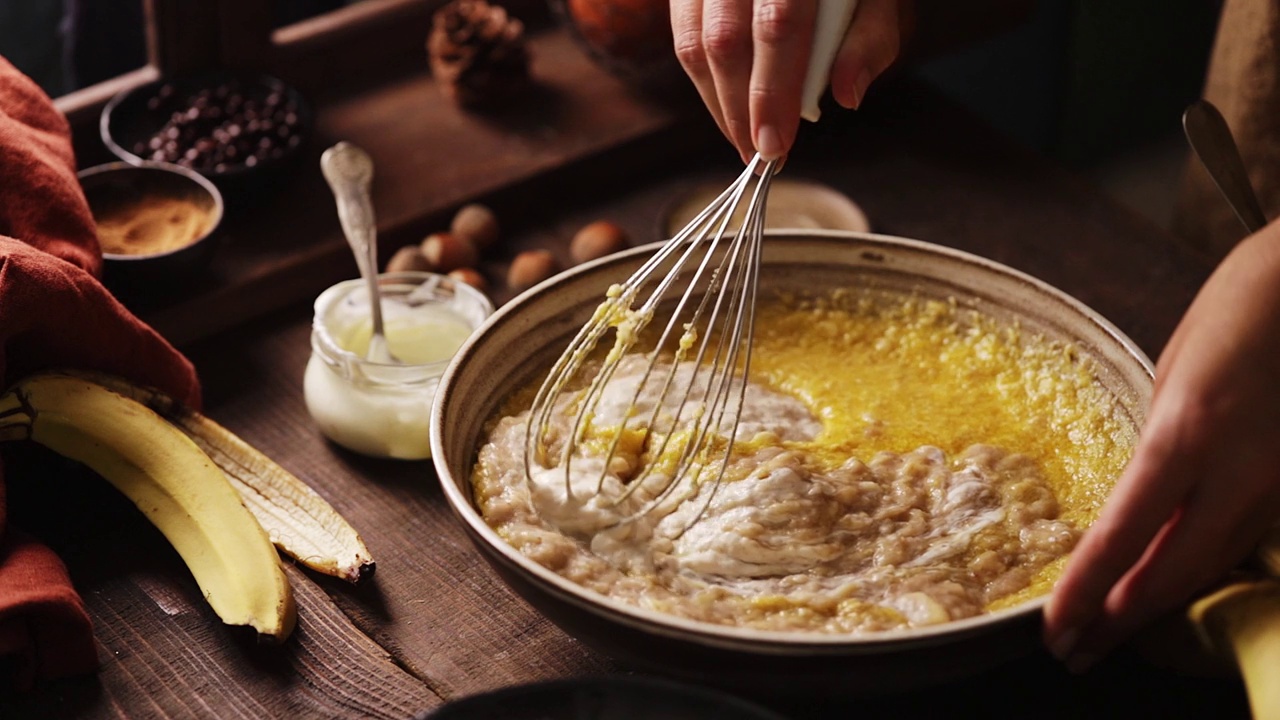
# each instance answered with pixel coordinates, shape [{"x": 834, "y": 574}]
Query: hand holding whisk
[{"x": 691, "y": 385}]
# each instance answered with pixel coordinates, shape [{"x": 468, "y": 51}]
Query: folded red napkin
[{"x": 54, "y": 313}]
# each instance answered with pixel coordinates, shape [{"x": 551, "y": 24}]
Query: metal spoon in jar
[
  {"x": 349, "y": 171},
  {"x": 1210, "y": 137}
]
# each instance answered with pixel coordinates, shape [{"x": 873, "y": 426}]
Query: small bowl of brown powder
[{"x": 155, "y": 221}]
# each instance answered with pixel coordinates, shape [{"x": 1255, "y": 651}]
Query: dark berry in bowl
[{"x": 238, "y": 131}]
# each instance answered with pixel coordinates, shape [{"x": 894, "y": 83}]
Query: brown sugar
[{"x": 151, "y": 225}]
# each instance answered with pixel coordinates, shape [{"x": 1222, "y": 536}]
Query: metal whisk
[
  {"x": 720, "y": 324},
  {"x": 705, "y": 340}
]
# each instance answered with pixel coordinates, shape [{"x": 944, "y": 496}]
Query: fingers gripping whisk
[{"x": 659, "y": 437}]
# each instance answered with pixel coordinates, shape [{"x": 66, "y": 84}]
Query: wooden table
[{"x": 434, "y": 623}]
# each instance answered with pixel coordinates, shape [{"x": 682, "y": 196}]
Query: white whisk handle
[{"x": 832, "y": 23}]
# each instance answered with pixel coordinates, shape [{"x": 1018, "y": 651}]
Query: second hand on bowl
[{"x": 349, "y": 172}]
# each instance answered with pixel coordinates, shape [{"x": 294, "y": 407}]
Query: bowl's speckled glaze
[{"x": 521, "y": 340}]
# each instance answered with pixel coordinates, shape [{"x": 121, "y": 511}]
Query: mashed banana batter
[{"x": 898, "y": 464}]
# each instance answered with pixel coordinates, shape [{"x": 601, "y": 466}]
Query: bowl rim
[
  {"x": 131, "y": 158},
  {"x": 726, "y": 636},
  {"x": 832, "y": 195},
  {"x": 322, "y": 338},
  {"x": 219, "y": 205}
]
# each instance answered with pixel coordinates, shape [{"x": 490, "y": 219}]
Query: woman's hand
[
  {"x": 1204, "y": 482},
  {"x": 748, "y": 59}
]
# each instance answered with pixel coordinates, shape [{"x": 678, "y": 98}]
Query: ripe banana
[
  {"x": 302, "y": 524},
  {"x": 171, "y": 480}
]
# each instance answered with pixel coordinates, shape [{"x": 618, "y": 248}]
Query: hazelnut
[
  {"x": 530, "y": 268},
  {"x": 477, "y": 223},
  {"x": 408, "y": 259},
  {"x": 470, "y": 276},
  {"x": 446, "y": 251},
  {"x": 596, "y": 240}
]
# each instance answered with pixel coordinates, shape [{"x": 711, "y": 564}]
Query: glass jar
[{"x": 383, "y": 409}]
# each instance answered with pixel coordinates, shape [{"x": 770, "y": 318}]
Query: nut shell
[
  {"x": 477, "y": 223},
  {"x": 447, "y": 251},
  {"x": 596, "y": 240},
  {"x": 530, "y": 268},
  {"x": 472, "y": 277},
  {"x": 408, "y": 259}
]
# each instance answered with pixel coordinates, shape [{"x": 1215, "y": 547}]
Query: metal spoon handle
[
  {"x": 349, "y": 172},
  {"x": 1211, "y": 139}
]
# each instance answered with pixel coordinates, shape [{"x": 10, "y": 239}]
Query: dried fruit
[
  {"x": 447, "y": 251},
  {"x": 596, "y": 240},
  {"x": 408, "y": 259},
  {"x": 470, "y": 276},
  {"x": 477, "y": 223},
  {"x": 530, "y": 268}
]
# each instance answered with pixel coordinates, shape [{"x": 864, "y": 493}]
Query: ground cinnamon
[{"x": 151, "y": 225}]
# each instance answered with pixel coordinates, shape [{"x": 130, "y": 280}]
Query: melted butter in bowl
[{"x": 906, "y": 463}]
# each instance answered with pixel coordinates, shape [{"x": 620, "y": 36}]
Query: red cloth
[{"x": 55, "y": 313}]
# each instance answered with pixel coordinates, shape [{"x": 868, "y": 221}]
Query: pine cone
[{"x": 477, "y": 52}]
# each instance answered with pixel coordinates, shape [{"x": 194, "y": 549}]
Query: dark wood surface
[{"x": 435, "y": 624}]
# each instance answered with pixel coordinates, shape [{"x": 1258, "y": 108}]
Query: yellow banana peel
[
  {"x": 1242, "y": 620},
  {"x": 301, "y": 523},
  {"x": 173, "y": 483}
]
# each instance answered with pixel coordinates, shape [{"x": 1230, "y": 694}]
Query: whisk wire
[
  {"x": 628, "y": 333},
  {"x": 614, "y": 312},
  {"x": 730, "y": 295},
  {"x": 720, "y": 218},
  {"x": 753, "y": 229},
  {"x": 698, "y": 433}
]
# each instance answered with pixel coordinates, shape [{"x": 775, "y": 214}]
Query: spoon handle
[
  {"x": 1210, "y": 137},
  {"x": 349, "y": 172}
]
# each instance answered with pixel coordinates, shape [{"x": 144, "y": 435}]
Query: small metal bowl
[
  {"x": 115, "y": 186},
  {"x": 132, "y": 118}
]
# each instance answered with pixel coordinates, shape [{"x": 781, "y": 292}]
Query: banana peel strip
[
  {"x": 302, "y": 524},
  {"x": 1241, "y": 620},
  {"x": 173, "y": 483}
]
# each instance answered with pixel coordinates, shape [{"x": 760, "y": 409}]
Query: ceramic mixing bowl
[{"x": 519, "y": 342}]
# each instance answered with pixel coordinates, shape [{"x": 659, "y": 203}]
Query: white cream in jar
[{"x": 379, "y": 409}]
